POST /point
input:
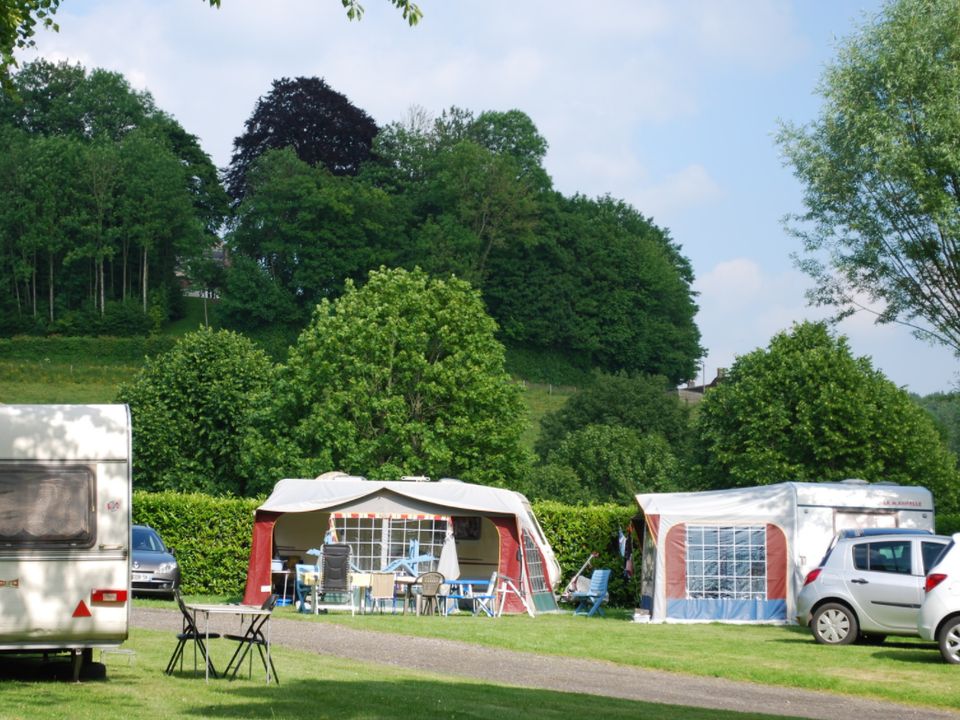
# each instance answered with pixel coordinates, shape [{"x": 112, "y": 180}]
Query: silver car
[
  {"x": 940, "y": 614},
  {"x": 869, "y": 585},
  {"x": 154, "y": 569}
]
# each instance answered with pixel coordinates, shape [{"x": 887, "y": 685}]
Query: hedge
[
  {"x": 106, "y": 350},
  {"x": 211, "y": 537}
]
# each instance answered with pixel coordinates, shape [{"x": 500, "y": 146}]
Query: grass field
[
  {"x": 903, "y": 671},
  {"x": 312, "y": 686},
  {"x": 47, "y": 380}
]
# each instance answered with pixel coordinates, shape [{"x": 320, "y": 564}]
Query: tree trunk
[
  {"x": 126, "y": 256},
  {"x": 144, "y": 276},
  {"x": 50, "y": 289},
  {"x": 103, "y": 278}
]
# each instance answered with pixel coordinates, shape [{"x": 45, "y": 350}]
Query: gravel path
[{"x": 506, "y": 667}]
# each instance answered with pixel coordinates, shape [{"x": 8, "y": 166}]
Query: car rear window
[{"x": 932, "y": 552}]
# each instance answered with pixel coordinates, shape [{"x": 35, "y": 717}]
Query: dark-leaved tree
[{"x": 306, "y": 114}]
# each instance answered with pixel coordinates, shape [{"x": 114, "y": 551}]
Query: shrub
[{"x": 210, "y": 536}]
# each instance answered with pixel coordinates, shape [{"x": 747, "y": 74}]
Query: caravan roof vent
[
  {"x": 854, "y": 481},
  {"x": 415, "y": 478},
  {"x": 451, "y": 480}
]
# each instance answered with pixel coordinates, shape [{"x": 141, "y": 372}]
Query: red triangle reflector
[{"x": 82, "y": 610}]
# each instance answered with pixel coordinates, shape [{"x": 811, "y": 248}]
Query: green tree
[
  {"x": 192, "y": 408},
  {"x": 806, "y": 409},
  {"x": 311, "y": 231},
  {"x": 614, "y": 463},
  {"x": 881, "y": 171},
  {"x": 403, "y": 376},
  {"x": 643, "y": 403}
]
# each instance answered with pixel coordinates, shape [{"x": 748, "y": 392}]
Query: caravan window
[
  {"x": 379, "y": 542},
  {"x": 47, "y": 506},
  {"x": 726, "y": 562}
]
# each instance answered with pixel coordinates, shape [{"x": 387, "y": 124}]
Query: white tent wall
[{"x": 740, "y": 555}]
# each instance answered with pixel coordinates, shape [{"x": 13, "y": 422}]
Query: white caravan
[
  {"x": 740, "y": 555},
  {"x": 65, "y": 487}
]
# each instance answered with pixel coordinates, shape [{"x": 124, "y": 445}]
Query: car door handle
[{"x": 860, "y": 581}]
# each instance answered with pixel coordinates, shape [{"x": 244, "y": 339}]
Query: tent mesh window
[
  {"x": 380, "y": 543},
  {"x": 726, "y": 562},
  {"x": 538, "y": 577}
]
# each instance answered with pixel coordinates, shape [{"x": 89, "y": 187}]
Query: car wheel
[
  {"x": 949, "y": 638},
  {"x": 834, "y": 624}
]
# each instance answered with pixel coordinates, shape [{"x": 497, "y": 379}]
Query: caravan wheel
[{"x": 835, "y": 624}]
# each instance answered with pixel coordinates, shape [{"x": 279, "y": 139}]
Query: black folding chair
[
  {"x": 253, "y": 637},
  {"x": 190, "y": 633}
]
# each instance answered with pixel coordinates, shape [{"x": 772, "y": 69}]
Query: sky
[{"x": 670, "y": 105}]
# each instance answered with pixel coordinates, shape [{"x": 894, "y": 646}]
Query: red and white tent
[{"x": 403, "y": 525}]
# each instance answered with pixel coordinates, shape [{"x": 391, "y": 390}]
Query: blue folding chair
[{"x": 589, "y": 601}]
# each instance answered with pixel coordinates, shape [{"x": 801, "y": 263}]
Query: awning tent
[
  {"x": 403, "y": 525},
  {"x": 741, "y": 554}
]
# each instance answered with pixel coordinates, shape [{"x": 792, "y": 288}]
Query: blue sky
[{"x": 671, "y": 105}]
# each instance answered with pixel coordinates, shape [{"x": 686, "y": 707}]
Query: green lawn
[
  {"x": 312, "y": 686},
  {"x": 540, "y": 400},
  {"x": 46, "y": 381},
  {"x": 903, "y": 670}
]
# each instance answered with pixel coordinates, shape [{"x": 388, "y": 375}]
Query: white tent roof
[
  {"x": 292, "y": 495},
  {"x": 768, "y": 500}
]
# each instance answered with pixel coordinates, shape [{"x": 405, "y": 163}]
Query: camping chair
[
  {"x": 253, "y": 637},
  {"x": 594, "y": 596},
  {"x": 307, "y": 576},
  {"x": 189, "y": 633},
  {"x": 382, "y": 589},
  {"x": 429, "y": 583},
  {"x": 486, "y": 600},
  {"x": 335, "y": 576}
]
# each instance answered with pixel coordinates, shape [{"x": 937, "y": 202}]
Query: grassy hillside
[{"x": 55, "y": 372}]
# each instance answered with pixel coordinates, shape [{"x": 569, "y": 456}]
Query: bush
[
  {"x": 106, "y": 350},
  {"x": 210, "y": 536},
  {"x": 948, "y": 524},
  {"x": 576, "y": 531}
]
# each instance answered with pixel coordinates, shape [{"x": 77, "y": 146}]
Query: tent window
[
  {"x": 537, "y": 576},
  {"x": 726, "y": 562},
  {"x": 377, "y": 543}
]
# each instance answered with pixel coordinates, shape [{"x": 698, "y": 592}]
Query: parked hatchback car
[
  {"x": 154, "y": 568},
  {"x": 940, "y": 613},
  {"x": 868, "y": 585}
]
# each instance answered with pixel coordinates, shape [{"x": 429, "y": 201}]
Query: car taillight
[
  {"x": 933, "y": 579},
  {"x": 811, "y": 576}
]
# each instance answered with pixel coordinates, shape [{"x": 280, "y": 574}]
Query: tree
[
  {"x": 18, "y": 19},
  {"x": 643, "y": 403},
  {"x": 614, "y": 463},
  {"x": 402, "y": 376},
  {"x": 191, "y": 409},
  {"x": 307, "y": 115},
  {"x": 309, "y": 232},
  {"x": 106, "y": 196},
  {"x": 806, "y": 409},
  {"x": 881, "y": 172}
]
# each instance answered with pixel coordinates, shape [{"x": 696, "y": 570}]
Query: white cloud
[{"x": 691, "y": 186}]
